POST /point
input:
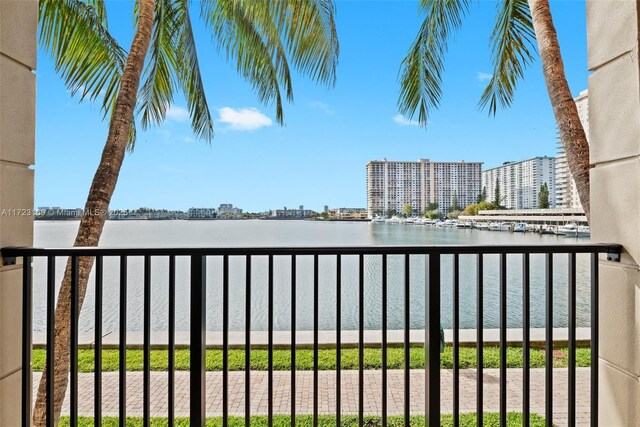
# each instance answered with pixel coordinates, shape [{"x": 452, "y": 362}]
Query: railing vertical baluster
[
  {"x": 384, "y": 339},
  {"x": 247, "y": 344},
  {"x": 361, "y": 340},
  {"x": 572, "y": 340},
  {"x": 225, "y": 340},
  {"x": 456, "y": 340},
  {"x": 407, "y": 339},
  {"x": 27, "y": 307},
  {"x": 122, "y": 347},
  {"x": 270, "y": 344},
  {"x": 480, "y": 341},
  {"x": 316, "y": 320},
  {"x": 432, "y": 342},
  {"x": 338, "y": 338},
  {"x": 51, "y": 319},
  {"x": 293, "y": 339},
  {"x": 526, "y": 325},
  {"x": 172, "y": 341},
  {"x": 549, "y": 339},
  {"x": 97, "y": 406},
  {"x": 197, "y": 333},
  {"x": 73, "y": 361},
  {"x": 595, "y": 337},
  {"x": 146, "y": 362},
  {"x": 503, "y": 340}
]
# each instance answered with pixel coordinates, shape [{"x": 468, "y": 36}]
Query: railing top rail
[{"x": 321, "y": 250}]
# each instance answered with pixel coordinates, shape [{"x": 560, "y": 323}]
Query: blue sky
[{"x": 319, "y": 156}]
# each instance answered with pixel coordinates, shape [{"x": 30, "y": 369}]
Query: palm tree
[
  {"x": 262, "y": 38},
  {"x": 518, "y": 24}
]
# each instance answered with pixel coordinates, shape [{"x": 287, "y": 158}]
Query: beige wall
[
  {"x": 614, "y": 116},
  {"x": 18, "y": 20}
]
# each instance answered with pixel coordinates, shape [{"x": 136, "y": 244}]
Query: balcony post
[
  {"x": 198, "y": 341},
  {"x": 432, "y": 341}
]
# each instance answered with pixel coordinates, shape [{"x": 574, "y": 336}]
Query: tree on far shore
[
  {"x": 497, "y": 197},
  {"x": 543, "y": 196},
  {"x": 433, "y": 214},
  {"x": 407, "y": 209},
  {"x": 482, "y": 197},
  {"x": 473, "y": 209}
]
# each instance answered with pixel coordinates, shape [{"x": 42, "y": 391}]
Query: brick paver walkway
[{"x": 327, "y": 387}]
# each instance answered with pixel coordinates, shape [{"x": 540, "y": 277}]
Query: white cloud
[
  {"x": 243, "y": 118},
  {"x": 483, "y": 77},
  {"x": 177, "y": 114},
  {"x": 403, "y": 121},
  {"x": 318, "y": 105}
]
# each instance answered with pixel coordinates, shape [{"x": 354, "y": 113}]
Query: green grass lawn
[
  {"x": 304, "y": 359},
  {"x": 490, "y": 419}
]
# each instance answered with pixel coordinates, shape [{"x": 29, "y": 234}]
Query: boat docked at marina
[
  {"x": 522, "y": 227},
  {"x": 582, "y": 231},
  {"x": 500, "y": 226}
]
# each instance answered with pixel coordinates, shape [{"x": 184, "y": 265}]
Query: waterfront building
[
  {"x": 226, "y": 210},
  {"x": 201, "y": 213},
  {"x": 520, "y": 182},
  {"x": 392, "y": 185},
  {"x": 349, "y": 213},
  {"x": 566, "y": 191},
  {"x": 292, "y": 213}
]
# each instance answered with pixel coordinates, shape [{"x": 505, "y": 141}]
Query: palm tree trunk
[
  {"x": 572, "y": 133},
  {"x": 97, "y": 207}
]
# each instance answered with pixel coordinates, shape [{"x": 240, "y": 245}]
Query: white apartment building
[
  {"x": 566, "y": 191},
  {"x": 227, "y": 210},
  {"x": 201, "y": 213},
  {"x": 391, "y": 185},
  {"x": 520, "y": 182}
]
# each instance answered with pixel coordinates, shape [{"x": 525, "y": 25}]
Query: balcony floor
[{"x": 327, "y": 386}]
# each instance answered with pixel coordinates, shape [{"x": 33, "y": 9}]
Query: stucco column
[
  {"x": 614, "y": 121},
  {"x": 18, "y": 24}
]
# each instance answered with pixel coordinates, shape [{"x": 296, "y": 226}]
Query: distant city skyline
[{"x": 318, "y": 158}]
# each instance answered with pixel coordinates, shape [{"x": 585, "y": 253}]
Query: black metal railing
[{"x": 198, "y": 258}]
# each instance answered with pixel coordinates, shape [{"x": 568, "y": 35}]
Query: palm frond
[
  {"x": 311, "y": 37},
  {"x": 87, "y": 57},
  {"x": 236, "y": 30},
  {"x": 100, "y": 10},
  {"x": 156, "y": 93},
  {"x": 421, "y": 69},
  {"x": 513, "y": 40},
  {"x": 262, "y": 37},
  {"x": 188, "y": 73},
  {"x": 131, "y": 138}
]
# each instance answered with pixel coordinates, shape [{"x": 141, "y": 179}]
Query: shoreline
[{"x": 326, "y": 339}]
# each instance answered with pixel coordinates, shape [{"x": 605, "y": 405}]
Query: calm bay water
[{"x": 314, "y": 234}]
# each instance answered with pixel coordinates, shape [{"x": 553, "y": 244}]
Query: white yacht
[
  {"x": 582, "y": 231},
  {"x": 520, "y": 228},
  {"x": 567, "y": 228},
  {"x": 500, "y": 226}
]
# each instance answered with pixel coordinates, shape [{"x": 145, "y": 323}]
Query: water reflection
[{"x": 304, "y": 233}]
